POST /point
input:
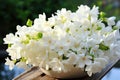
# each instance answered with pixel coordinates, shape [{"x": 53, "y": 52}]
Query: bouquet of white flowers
[{"x": 85, "y": 39}]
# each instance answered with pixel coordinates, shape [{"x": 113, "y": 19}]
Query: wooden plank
[
  {"x": 29, "y": 74},
  {"x": 36, "y": 74}
]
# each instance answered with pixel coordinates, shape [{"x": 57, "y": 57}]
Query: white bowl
[{"x": 72, "y": 73}]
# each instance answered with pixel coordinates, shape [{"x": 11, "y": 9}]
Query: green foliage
[
  {"x": 29, "y": 23},
  {"x": 109, "y": 7},
  {"x": 103, "y": 47}
]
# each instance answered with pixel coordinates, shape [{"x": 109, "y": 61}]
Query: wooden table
[{"x": 36, "y": 74}]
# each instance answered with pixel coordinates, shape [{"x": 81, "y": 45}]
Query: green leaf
[
  {"x": 38, "y": 36},
  {"x": 23, "y": 59},
  {"x": 28, "y": 36},
  {"x": 67, "y": 30},
  {"x": 9, "y": 45},
  {"x": 73, "y": 51},
  {"x": 29, "y": 23},
  {"x": 14, "y": 61},
  {"x": 93, "y": 56},
  {"x": 25, "y": 41},
  {"x": 103, "y": 47},
  {"x": 102, "y": 14},
  {"x": 64, "y": 57},
  {"x": 114, "y": 27},
  {"x": 89, "y": 17},
  {"x": 99, "y": 28},
  {"x": 89, "y": 49},
  {"x": 88, "y": 29}
]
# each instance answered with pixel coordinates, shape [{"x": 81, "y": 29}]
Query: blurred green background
[{"x": 14, "y": 12}]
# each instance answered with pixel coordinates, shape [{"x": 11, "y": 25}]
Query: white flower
[
  {"x": 41, "y": 20},
  {"x": 94, "y": 14},
  {"x": 63, "y": 45},
  {"x": 40, "y": 24},
  {"x": 66, "y": 40},
  {"x": 10, "y": 39},
  {"x": 48, "y": 41},
  {"x": 96, "y": 51},
  {"x": 58, "y": 32},
  {"x": 97, "y": 66},
  {"x": 63, "y": 16},
  {"x": 23, "y": 30},
  {"x": 111, "y": 21},
  {"x": 83, "y": 60},
  {"x": 118, "y": 24},
  {"x": 52, "y": 20},
  {"x": 56, "y": 65},
  {"x": 34, "y": 52},
  {"x": 72, "y": 59},
  {"x": 9, "y": 63},
  {"x": 106, "y": 30},
  {"x": 14, "y": 52},
  {"x": 111, "y": 38},
  {"x": 115, "y": 49},
  {"x": 83, "y": 11},
  {"x": 93, "y": 41}
]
